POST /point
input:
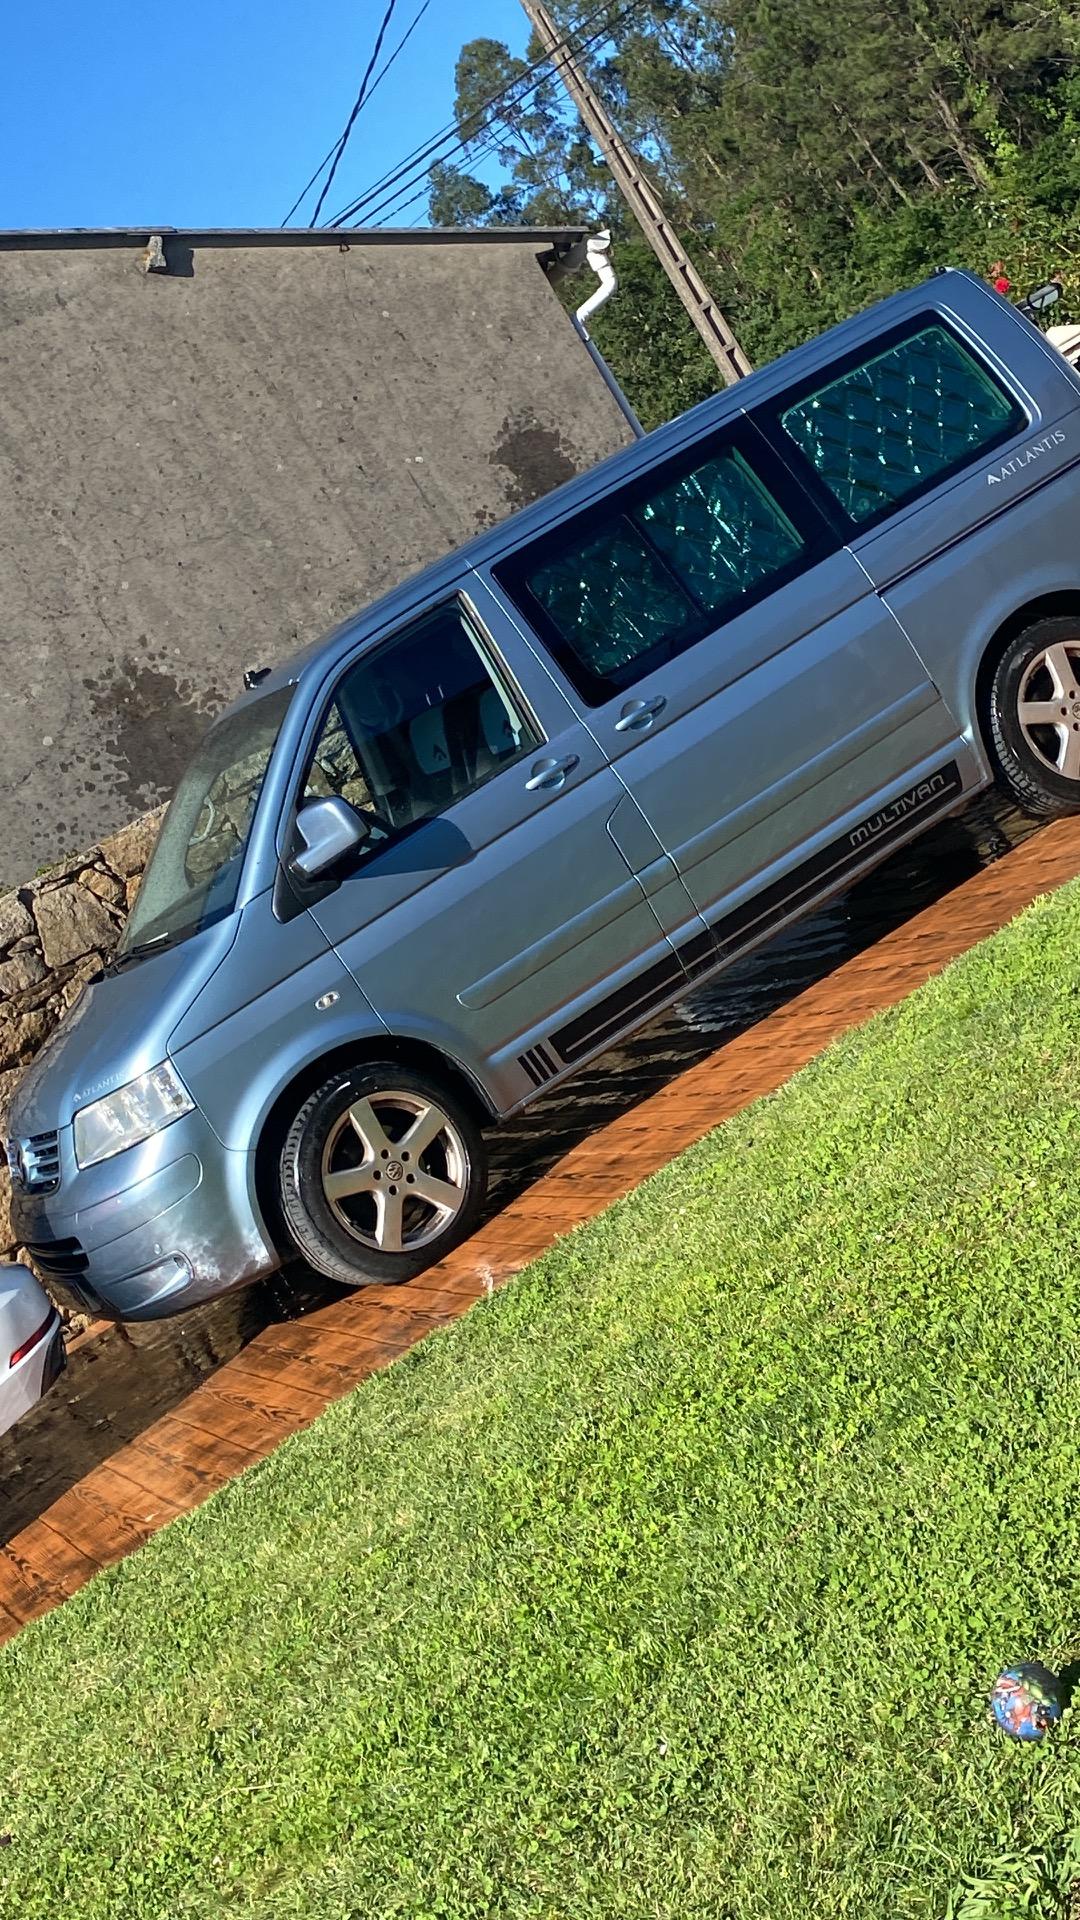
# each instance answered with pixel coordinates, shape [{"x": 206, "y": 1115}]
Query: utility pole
[{"x": 643, "y": 203}]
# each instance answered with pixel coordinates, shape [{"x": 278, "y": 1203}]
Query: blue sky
[{"x": 214, "y": 112}]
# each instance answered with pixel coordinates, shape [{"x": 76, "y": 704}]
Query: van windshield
[{"x": 194, "y": 872}]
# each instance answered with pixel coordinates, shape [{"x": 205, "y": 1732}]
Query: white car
[
  {"x": 31, "y": 1343},
  {"x": 1067, "y": 341}
]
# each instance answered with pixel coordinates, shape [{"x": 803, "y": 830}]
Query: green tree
[
  {"x": 458, "y": 199},
  {"x": 815, "y": 154}
]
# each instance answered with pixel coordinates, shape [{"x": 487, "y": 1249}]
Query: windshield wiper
[{"x": 140, "y": 951}]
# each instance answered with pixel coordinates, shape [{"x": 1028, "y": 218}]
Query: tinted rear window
[
  {"x": 623, "y": 587},
  {"x": 893, "y": 425}
]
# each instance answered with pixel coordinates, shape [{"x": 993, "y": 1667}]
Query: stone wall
[{"x": 54, "y": 934}]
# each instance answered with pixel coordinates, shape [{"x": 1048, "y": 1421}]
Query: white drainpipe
[{"x": 598, "y": 257}]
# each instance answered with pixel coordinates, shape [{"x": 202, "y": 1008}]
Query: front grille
[
  {"x": 59, "y": 1259},
  {"x": 35, "y": 1162}
]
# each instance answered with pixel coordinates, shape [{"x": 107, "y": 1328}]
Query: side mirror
[
  {"x": 330, "y": 829},
  {"x": 1041, "y": 299}
]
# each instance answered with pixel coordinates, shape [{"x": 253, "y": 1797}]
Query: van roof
[{"x": 372, "y": 620}]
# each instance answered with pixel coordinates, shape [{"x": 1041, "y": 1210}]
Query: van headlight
[{"x": 130, "y": 1115}]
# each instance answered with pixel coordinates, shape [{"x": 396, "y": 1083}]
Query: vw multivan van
[{"x": 448, "y": 855}]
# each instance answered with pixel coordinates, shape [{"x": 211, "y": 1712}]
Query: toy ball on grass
[{"x": 1027, "y": 1700}]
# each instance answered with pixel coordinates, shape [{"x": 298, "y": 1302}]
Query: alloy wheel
[
  {"x": 1048, "y": 707},
  {"x": 395, "y": 1171}
]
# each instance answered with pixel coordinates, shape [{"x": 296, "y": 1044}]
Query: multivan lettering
[{"x": 914, "y": 801}]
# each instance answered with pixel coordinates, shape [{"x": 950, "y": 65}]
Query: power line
[
  {"x": 429, "y": 146},
  {"x": 422, "y": 194},
  {"x": 351, "y": 121},
  {"x": 400, "y": 48},
  {"x": 377, "y": 82},
  {"x": 395, "y": 205},
  {"x": 413, "y": 169},
  {"x": 452, "y": 130},
  {"x": 304, "y": 191},
  {"x": 641, "y": 198}
]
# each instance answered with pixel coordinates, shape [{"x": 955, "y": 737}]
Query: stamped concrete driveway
[{"x": 150, "y": 1419}]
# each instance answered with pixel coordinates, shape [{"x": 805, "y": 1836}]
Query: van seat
[
  {"x": 427, "y": 737},
  {"x": 500, "y": 735}
]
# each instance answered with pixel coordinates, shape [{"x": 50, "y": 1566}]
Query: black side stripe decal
[
  {"x": 834, "y": 862},
  {"x": 822, "y": 872},
  {"x": 538, "y": 1064},
  {"x": 632, "y": 1001}
]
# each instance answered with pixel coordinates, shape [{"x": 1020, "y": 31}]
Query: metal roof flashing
[{"x": 75, "y": 239}]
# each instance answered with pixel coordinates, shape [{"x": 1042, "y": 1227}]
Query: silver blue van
[{"x": 447, "y": 856}]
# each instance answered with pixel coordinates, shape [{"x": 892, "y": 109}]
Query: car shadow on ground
[{"x": 118, "y": 1383}]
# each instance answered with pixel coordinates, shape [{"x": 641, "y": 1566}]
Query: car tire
[
  {"x": 1035, "y": 717},
  {"x": 382, "y": 1171}
]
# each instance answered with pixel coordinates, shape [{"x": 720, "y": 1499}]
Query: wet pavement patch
[{"x": 149, "y": 718}]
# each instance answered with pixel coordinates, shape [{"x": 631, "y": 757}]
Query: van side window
[
  {"x": 895, "y": 424},
  {"x": 612, "y": 599},
  {"x": 720, "y": 531},
  {"x": 417, "y": 724},
  {"x": 623, "y": 587}
]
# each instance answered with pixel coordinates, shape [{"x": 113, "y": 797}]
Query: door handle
[
  {"x": 548, "y": 776},
  {"x": 639, "y": 714}
]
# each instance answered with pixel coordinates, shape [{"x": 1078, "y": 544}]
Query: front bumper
[{"x": 153, "y": 1231}]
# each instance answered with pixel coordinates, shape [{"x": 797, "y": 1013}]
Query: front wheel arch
[
  {"x": 356, "y": 1211},
  {"x": 407, "y": 1053}
]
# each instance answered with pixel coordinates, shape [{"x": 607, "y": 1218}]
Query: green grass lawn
[{"x": 671, "y": 1582}]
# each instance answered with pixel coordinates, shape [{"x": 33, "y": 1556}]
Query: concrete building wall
[{"x": 204, "y": 468}]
